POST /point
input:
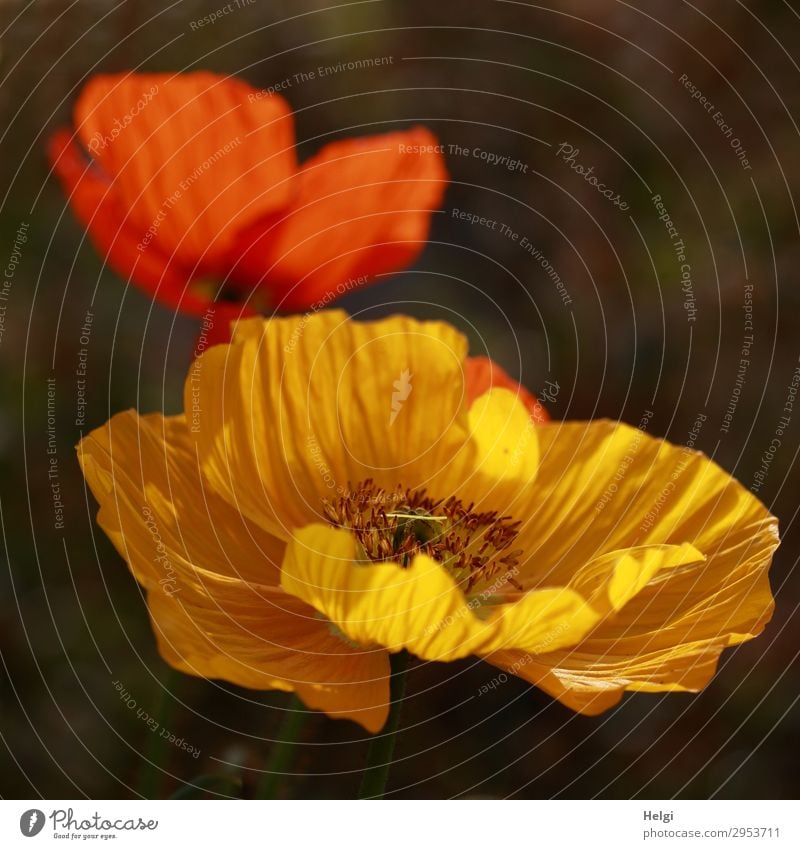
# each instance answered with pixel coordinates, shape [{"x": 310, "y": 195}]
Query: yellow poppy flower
[{"x": 328, "y": 497}]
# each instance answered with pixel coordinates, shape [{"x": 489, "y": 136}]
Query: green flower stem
[
  {"x": 381, "y": 749},
  {"x": 151, "y": 776},
  {"x": 282, "y": 749}
]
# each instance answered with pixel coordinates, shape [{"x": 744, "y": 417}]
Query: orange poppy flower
[{"x": 189, "y": 186}]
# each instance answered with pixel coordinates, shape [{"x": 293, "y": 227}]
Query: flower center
[{"x": 395, "y": 526}]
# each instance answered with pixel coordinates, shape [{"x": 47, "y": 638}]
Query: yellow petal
[
  {"x": 589, "y": 699},
  {"x": 420, "y": 607},
  {"x": 608, "y": 487},
  {"x": 271, "y": 640},
  {"x": 605, "y": 488},
  {"x": 590, "y": 683},
  {"x": 653, "y": 493},
  {"x": 296, "y": 409},
  {"x": 605, "y": 585},
  {"x": 505, "y": 444},
  {"x": 160, "y": 513},
  {"x": 208, "y": 574},
  {"x": 610, "y": 581},
  {"x": 540, "y": 621}
]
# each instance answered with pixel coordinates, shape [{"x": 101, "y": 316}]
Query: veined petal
[
  {"x": 362, "y": 207},
  {"x": 535, "y": 621},
  {"x": 160, "y": 513},
  {"x": 540, "y": 621},
  {"x": 420, "y": 607},
  {"x": 610, "y": 581},
  {"x": 212, "y": 577},
  {"x": 605, "y": 488},
  {"x": 588, "y": 699},
  {"x": 590, "y": 683},
  {"x": 635, "y": 490},
  {"x": 273, "y": 641},
  {"x": 297, "y": 409},
  {"x": 194, "y": 157}
]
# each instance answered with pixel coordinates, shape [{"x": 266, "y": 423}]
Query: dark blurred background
[{"x": 513, "y": 79}]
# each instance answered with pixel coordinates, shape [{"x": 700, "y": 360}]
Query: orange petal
[
  {"x": 96, "y": 203},
  {"x": 219, "y": 321},
  {"x": 362, "y": 208},
  {"x": 194, "y": 157},
  {"x": 482, "y": 374}
]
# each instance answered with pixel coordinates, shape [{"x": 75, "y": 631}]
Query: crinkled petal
[
  {"x": 212, "y": 577},
  {"x": 606, "y": 584},
  {"x": 590, "y": 684},
  {"x": 606, "y": 487},
  {"x": 611, "y": 580},
  {"x": 160, "y": 513},
  {"x": 296, "y": 410},
  {"x": 420, "y": 607},
  {"x": 271, "y": 640}
]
